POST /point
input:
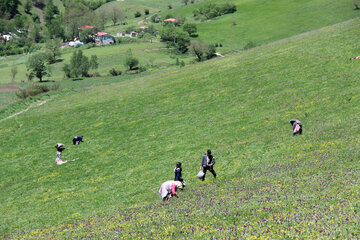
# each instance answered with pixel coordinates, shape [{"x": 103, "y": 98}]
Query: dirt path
[
  {"x": 8, "y": 88},
  {"x": 28, "y": 108}
]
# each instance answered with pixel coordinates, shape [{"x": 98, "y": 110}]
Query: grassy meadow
[
  {"x": 260, "y": 21},
  {"x": 269, "y": 184}
]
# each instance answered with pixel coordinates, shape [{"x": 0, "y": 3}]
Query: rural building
[
  {"x": 124, "y": 34},
  {"x": 103, "y": 38},
  {"x": 174, "y": 21}
]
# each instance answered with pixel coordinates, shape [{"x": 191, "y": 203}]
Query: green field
[
  {"x": 269, "y": 184},
  {"x": 260, "y": 21}
]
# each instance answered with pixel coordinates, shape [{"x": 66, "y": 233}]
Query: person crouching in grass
[
  {"x": 60, "y": 147},
  {"x": 168, "y": 189}
]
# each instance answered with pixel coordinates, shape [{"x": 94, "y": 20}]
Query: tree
[
  {"x": 50, "y": 12},
  {"x": 14, "y": 71},
  {"x": 9, "y": 7},
  {"x": 27, "y": 7},
  {"x": 36, "y": 65},
  {"x": 102, "y": 16},
  {"x": 190, "y": 28},
  {"x": 35, "y": 33},
  {"x": 53, "y": 50},
  {"x": 146, "y": 11},
  {"x": 198, "y": 48},
  {"x": 175, "y": 37},
  {"x": 77, "y": 15},
  {"x": 131, "y": 62},
  {"x": 94, "y": 62},
  {"x": 116, "y": 14},
  {"x": 56, "y": 28},
  {"x": 356, "y": 4},
  {"x": 79, "y": 64},
  {"x": 185, "y": 2}
]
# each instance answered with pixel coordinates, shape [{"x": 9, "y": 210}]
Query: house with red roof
[
  {"x": 103, "y": 38},
  {"x": 174, "y": 21}
]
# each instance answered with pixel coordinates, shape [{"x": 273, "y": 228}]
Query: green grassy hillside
[
  {"x": 260, "y": 21},
  {"x": 269, "y": 184}
]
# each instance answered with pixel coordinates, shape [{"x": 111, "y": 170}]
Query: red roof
[
  {"x": 86, "y": 27},
  {"x": 171, "y": 20},
  {"x": 101, "y": 33}
]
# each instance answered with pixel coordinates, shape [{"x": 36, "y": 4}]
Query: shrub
[
  {"x": 146, "y": 11},
  {"x": 34, "y": 90},
  {"x": 249, "y": 45},
  {"x": 114, "y": 72},
  {"x": 131, "y": 62},
  {"x": 213, "y": 10},
  {"x": 137, "y": 14}
]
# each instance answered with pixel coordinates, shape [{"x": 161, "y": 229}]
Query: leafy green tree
[
  {"x": 36, "y": 65},
  {"x": 190, "y": 28},
  {"x": 79, "y": 64},
  {"x": 94, "y": 62},
  {"x": 116, "y": 14},
  {"x": 185, "y": 2},
  {"x": 50, "y": 12},
  {"x": 87, "y": 35},
  {"x": 67, "y": 70},
  {"x": 102, "y": 14},
  {"x": 211, "y": 52},
  {"x": 56, "y": 28},
  {"x": 9, "y": 7},
  {"x": 28, "y": 6},
  {"x": 131, "y": 62},
  {"x": 35, "y": 33},
  {"x": 53, "y": 50},
  {"x": 77, "y": 15},
  {"x": 175, "y": 37},
  {"x": 198, "y": 48}
]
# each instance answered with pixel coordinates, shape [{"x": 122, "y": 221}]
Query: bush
[
  {"x": 35, "y": 89},
  {"x": 137, "y": 14},
  {"x": 213, "y": 10},
  {"x": 146, "y": 11},
  {"x": 155, "y": 18},
  {"x": 114, "y": 72},
  {"x": 131, "y": 62},
  {"x": 249, "y": 45}
]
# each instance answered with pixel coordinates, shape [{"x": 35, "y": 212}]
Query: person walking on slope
[
  {"x": 297, "y": 127},
  {"x": 177, "y": 172},
  {"x": 207, "y": 163},
  {"x": 168, "y": 189}
]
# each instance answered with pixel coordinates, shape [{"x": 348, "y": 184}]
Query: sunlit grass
[{"x": 269, "y": 184}]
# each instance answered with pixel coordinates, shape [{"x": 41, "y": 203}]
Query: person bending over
[{"x": 168, "y": 189}]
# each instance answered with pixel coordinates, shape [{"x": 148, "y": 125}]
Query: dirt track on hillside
[{"x": 8, "y": 88}]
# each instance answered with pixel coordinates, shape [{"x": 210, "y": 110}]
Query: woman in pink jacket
[{"x": 168, "y": 189}]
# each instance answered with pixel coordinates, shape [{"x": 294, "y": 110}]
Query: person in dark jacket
[
  {"x": 207, "y": 163},
  {"x": 177, "y": 172},
  {"x": 297, "y": 127},
  {"x": 77, "y": 140}
]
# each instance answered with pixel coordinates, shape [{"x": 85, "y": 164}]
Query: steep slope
[{"x": 269, "y": 184}]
